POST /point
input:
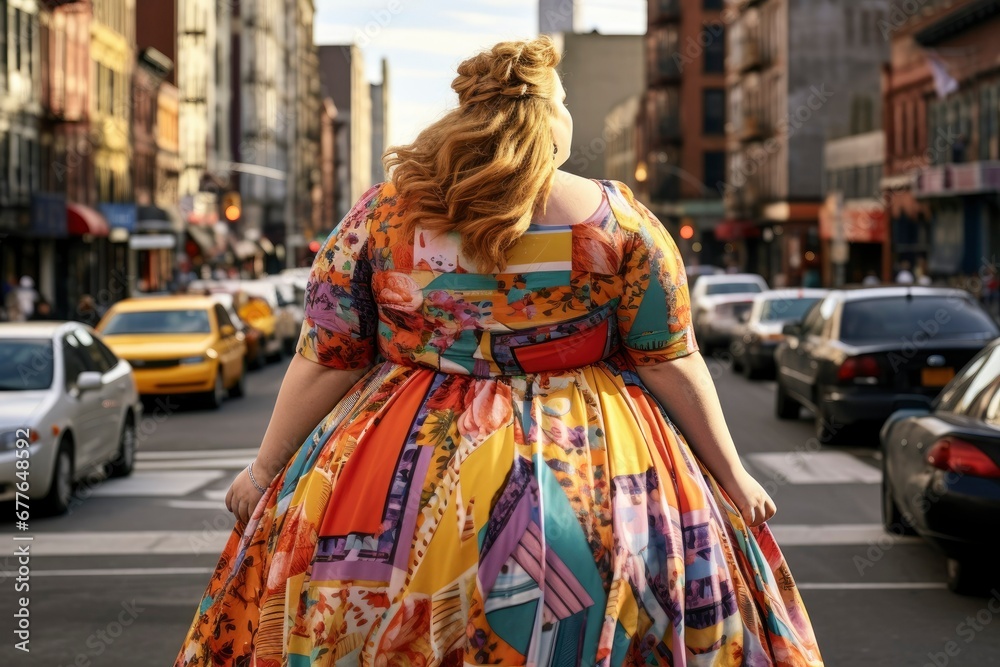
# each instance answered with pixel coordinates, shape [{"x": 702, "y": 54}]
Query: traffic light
[
  {"x": 687, "y": 232},
  {"x": 232, "y": 206}
]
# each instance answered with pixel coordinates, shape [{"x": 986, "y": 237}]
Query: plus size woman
[{"x": 498, "y": 444}]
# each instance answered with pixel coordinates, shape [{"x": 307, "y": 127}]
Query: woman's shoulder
[{"x": 630, "y": 213}]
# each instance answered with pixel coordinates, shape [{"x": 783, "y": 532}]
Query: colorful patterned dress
[{"x": 499, "y": 488}]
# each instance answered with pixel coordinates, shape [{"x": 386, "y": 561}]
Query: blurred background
[{"x": 830, "y": 170}]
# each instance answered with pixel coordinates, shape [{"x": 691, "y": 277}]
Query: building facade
[
  {"x": 682, "y": 122},
  {"x": 797, "y": 75},
  {"x": 621, "y": 159},
  {"x": 20, "y": 141},
  {"x": 342, "y": 73},
  {"x": 380, "y": 123},
  {"x": 599, "y": 72},
  {"x": 943, "y": 141}
]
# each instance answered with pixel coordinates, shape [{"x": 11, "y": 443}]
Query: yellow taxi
[{"x": 178, "y": 345}]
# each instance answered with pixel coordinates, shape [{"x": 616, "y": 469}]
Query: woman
[{"x": 502, "y": 486}]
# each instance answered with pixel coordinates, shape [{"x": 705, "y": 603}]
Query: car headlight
[
  {"x": 9, "y": 439},
  {"x": 191, "y": 360}
]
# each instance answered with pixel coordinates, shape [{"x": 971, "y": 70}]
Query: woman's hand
[
  {"x": 750, "y": 498},
  {"x": 243, "y": 497}
]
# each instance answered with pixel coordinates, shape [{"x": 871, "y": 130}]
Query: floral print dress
[{"x": 499, "y": 488}]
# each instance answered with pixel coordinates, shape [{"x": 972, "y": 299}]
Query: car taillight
[
  {"x": 958, "y": 456},
  {"x": 863, "y": 369}
]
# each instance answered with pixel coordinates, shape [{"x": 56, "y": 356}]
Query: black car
[
  {"x": 941, "y": 472},
  {"x": 858, "y": 351}
]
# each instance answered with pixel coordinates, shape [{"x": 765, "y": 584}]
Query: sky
[{"x": 425, "y": 40}]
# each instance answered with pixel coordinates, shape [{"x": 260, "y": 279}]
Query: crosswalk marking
[
  {"x": 815, "y": 468},
  {"x": 213, "y": 537},
  {"x": 161, "y": 483}
]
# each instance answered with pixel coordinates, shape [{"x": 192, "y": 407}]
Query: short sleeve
[
  {"x": 654, "y": 315},
  {"x": 340, "y": 320}
]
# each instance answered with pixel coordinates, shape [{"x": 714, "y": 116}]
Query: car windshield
[
  {"x": 894, "y": 318},
  {"x": 25, "y": 365},
  {"x": 780, "y": 310},
  {"x": 732, "y": 288},
  {"x": 193, "y": 321}
]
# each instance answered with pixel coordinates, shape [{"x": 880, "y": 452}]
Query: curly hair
[{"x": 486, "y": 167}]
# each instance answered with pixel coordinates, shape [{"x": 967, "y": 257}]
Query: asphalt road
[{"x": 116, "y": 582}]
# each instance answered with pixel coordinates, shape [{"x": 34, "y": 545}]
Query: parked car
[
  {"x": 252, "y": 336},
  {"x": 178, "y": 345},
  {"x": 941, "y": 472},
  {"x": 696, "y": 271},
  {"x": 292, "y": 292},
  {"x": 71, "y": 403},
  {"x": 758, "y": 333},
  {"x": 717, "y": 302},
  {"x": 857, "y": 352},
  {"x": 287, "y": 312}
]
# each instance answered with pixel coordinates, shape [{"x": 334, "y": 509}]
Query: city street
[{"x": 116, "y": 582}]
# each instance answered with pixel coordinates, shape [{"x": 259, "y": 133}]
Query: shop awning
[
  {"x": 84, "y": 220},
  {"x": 734, "y": 230},
  {"x": 204, "y": 238}
]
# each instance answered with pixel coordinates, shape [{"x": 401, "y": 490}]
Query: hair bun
[{"x": 508, "y": 70}]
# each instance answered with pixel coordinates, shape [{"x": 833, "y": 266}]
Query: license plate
[{"x": 936, "y": 377}]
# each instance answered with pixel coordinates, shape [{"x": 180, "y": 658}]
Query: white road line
[
  {"x": 197, "y": 504},
  {"x": 156, "y": 483},
  {"x": 815, "y": 468},
  {"x": 136, "y": 542},
  {"x": 213, "y": 535},
  {"x": 142, "y": 455},
  {"x": 195, "y": 464},
  {"x": 836, "y": 535},
  {"x": 872, "y": 586},
  {"x": 204, "y": 571},
  {"x": 119, "y": 572}
]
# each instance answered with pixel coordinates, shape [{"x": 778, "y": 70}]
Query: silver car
[
  {"x": 759, "y": 331},
  {"x": 67, "y": 400}
]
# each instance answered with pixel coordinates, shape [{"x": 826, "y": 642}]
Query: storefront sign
[
  {"x": 152, "y": 241},
  {"x": 119, "y": 216}
]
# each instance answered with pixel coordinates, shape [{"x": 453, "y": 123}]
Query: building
[
  {"x": 621, "y": 160},
  {"x": 682, "y": 123},
  {"x": 327, "y": 209},
  {"x": 853, "y": 229},
  {"x": 556, "y": 16},
  {"x": 342, "y": 73},
  {"x": 22, "y": 235},
  {"x": 943, "y": 141},
  {"x": 380, "y": 123},
  {"x": 599, "y": 72},
  {"x": 304, "y": 134},
  {"x": 797, "y": 75}
]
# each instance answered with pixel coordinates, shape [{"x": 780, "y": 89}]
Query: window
[
  {"x": 74, "y": 361},
  {"x": 971, "y": 383},
  {"x": 18, "y": 355},
  {"x": 715, "y": 170},
  {"x": 714, "y": 111},
  {"x": 813, "y": 323},
  {"x": 159, "y": 321},
  {"x": 222, "y": 316},
  {"x": 3, "y": 37},
  {"x": 715, "y": 49},
  {"x": 87, "y": 344},
  {"x": 895, "y": 318},
  {"x": 17, "y": 39}
]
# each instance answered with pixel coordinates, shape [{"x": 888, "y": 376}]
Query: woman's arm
[
  {"x": 308, "y": 392},
  {"x": 684, "y": 386}
]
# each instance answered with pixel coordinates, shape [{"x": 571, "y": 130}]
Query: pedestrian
[
  {"x": 27, "y": 297},
  {"x": 86, "y": 311},
  {"x": 42, "y": 312},
  {"x": 871, "y": 279},
  {"x": 8, "y": 304},
  {"x": 904, "y": 276},
  {"x": 463, "y": 466}
]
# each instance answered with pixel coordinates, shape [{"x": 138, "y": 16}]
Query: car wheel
[
  {"x": 214, "y": 398},
  {"x": 785, "y": 407},
  {"x": 738, "y": 364},
  {"x": 969, "y": 576},
  {"x": 124, "y": 461},
  {"x": 239, "y": 389},
  {"x": 290, "y": 345},
  {"x": 892, "y": 519},
  {"x": 61, "y": 489}
]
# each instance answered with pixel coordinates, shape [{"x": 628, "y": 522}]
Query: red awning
[
  {"x": 85, "y": 220},
  {"x": 733, "y": 230}
]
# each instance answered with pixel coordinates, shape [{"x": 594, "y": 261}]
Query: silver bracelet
[{"x": 253, "y": 481}]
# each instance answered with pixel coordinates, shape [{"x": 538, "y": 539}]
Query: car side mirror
[
  {"x": 227, "y": 330},
  {"x": 792, "y": 329},
  {"x": 89, "y": 380}
]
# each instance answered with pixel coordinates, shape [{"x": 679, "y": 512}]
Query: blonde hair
[{"x": 486, "y": 167}]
